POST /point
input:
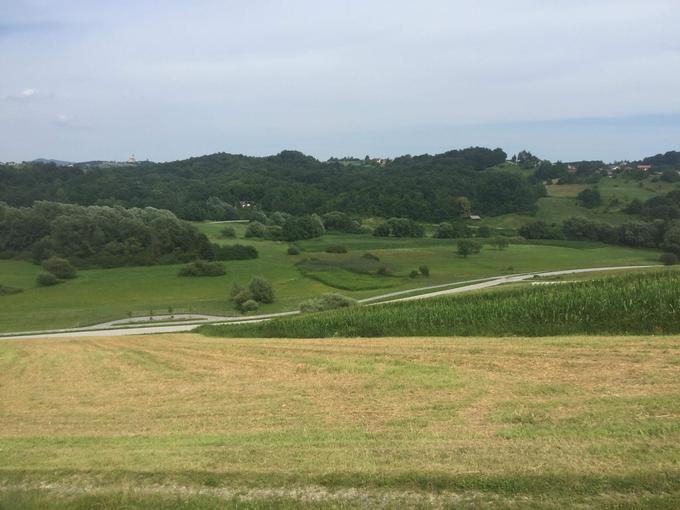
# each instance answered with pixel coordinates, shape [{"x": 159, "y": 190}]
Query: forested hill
[{"x": 418, "y": 187}]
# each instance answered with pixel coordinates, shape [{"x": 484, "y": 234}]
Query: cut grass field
[
  {"x": 185, "y": 421},
  {"x": 101, "y": 295},
  {"x": 632, "y": 304}
]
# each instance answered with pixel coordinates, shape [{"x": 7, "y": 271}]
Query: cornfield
[{"x": 634, "y": 304}]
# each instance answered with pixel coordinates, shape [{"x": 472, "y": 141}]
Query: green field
[
  {"x": 189, "y": 422},
  {"x": 99, "y": 295}
]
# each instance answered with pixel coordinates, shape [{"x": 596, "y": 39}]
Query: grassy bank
[
  {"x": 647, "y": 303},
  {"x": 185, "y": 421}
]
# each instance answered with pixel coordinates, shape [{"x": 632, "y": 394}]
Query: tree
[
  {"x": 484, "y": 231},
  {"x": 255, "y": 229},
  {"x": 468, "y": 247},
  {"x": 382, "y": 230},
  {"x": 261, "y": 290},
  {"x": 590, "y": 198},
  {"x": 462, "y": 206},
  {"x": 671, "y": 240},
  {"x": 669, "y": 259},
  {"x": 424, "y": 270},
  {"x": 500, "y": 242}
]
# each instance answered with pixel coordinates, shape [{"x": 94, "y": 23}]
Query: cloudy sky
[{"x": 168, "y": 79}]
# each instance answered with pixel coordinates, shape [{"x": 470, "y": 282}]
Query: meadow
[
  {"x": 561, "y": 202},
  {"x": 99, "y": 295},
  {"x": 188, "y": 422},
  {"x": 647, "y": 303}
]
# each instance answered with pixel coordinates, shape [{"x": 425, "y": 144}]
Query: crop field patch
[{"x": 491, "y": 420}]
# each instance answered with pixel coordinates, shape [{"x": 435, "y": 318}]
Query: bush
[
  {"x": 424, "y": 270},
  {"x": 365, "y": 229},
  {"x": 336, "y": 248},
  {"x": 261, "y": 290},
  {"x": 8, "y": 291},
  {"x": 47, "y": 280},
  {"x": 61, "y": 268},
  {"x": 255, "y": 229},
  {"x": 202, "y": 268},
  {"x": 293, "y": 250},
  {"x": 236, "y": 289},
  {"x": 326, "y": 302},
  {"x": 669, "y": 259},
  {"x": 370, "y": 256},
  {"x": 451, "y": 231},
  {"x": 414, "y": 274},
  {"x": 228, "y": 232},
  {"x": 385, "y": 271},
  {"x": 249, "y": 306},
  {"x": 337, "y": 221},
  {"x": 234, "y": 252}
]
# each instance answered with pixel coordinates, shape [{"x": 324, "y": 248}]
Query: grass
[
  {"x": 101, "y": 295},
  {"x": 185, "y": 421},
  {"x": 647, "y": 303}
]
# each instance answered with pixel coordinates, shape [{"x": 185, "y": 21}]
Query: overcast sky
[{"x": 566, "y": 79}]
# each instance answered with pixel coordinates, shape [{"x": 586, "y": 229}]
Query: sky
[{"x": 170, "y": 79}]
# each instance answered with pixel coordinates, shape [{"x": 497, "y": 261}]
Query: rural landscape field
[{"x": 339, "y": 255}]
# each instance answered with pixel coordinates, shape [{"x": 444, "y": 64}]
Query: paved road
[{"x": 189, "y": 322}]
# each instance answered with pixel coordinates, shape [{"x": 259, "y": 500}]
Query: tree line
[{"x": 226, "y": 186}]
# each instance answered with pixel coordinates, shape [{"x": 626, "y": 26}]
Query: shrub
[
  {"x": 241, "y": 297},
  {"x": 47, "y": 280},
  {"x": 424, "y": 270},
  {"x": 293, "y": 250},
  {"x": 228, "y": 232},
  {"x": 336, "y": 248},
  {"x": 326, "y": 302},
  {"x": 261, "y": 290},
  {"x": 255, "y": 229},
  {"x": 370, "y": 256},
  {"x": 8, "y": 291},
  {"x": 61, "y": 268},
  {"x": 385, "y": 271},
  {"x": 669, "y": 259},
  {"x": 414, "y": 274},
  {"x": 202, "y": 268},
  {"x": 249, "y": 306},
  {"x": 234, "y": 252},
  {"x": 365, "y": 229},
  {"x": 451, "y": 231}
]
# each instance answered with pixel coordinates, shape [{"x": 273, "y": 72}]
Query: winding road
[{"x": 187, "y": 322}]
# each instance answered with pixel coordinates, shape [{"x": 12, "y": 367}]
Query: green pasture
[{"x": 99, "y": 295}]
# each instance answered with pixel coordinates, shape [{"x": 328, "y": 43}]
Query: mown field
[
  {"x": 185, "y": 421},
  {"x": 631, "y": 304},
  {"x": 100, "y": 295}
]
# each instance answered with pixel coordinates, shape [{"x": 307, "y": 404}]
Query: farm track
[{"x": 168, "y": 324}]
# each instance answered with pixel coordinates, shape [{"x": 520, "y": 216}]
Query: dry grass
[{"x": 451, "y": 413}]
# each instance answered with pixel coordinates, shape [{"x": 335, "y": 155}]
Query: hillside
[{"x": 418, "y": 187}]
